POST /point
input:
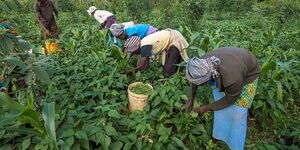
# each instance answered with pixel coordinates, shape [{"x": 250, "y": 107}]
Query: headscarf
[
  {"x": 199, "y": 71},
  {"x": 91, "y": 10},
  {"x": 132, "y": 44},
  {"x": 116, "y": 29}
]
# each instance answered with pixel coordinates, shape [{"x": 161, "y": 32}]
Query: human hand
[
  {"x": 189, "y": 105},
  {"x": 203, "y": 109}
]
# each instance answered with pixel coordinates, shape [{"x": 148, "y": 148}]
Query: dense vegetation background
[{"x": 77, "y": 99}]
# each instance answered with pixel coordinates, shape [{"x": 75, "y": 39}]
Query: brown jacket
[
  {"x": 238, "y": 67},
  {"x": 45, "y": 13}
]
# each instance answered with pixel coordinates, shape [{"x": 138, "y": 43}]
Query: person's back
[
  {"x": 102, "y": 15},
  {"x": 236, "y": 64},
  {"x": 140, "y": 30}
]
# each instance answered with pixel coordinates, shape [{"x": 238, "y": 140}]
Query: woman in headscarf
[
  {"x": 169, "y": 42},
  {"x": 106, "y": 19},
  {"x": 140, "y": 30},
  {"x": 233, "y": 73}
]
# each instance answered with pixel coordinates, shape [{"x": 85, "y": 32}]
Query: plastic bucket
[
  {"x": 51, "y": 47},
  {"x": 137, "y": 101}
]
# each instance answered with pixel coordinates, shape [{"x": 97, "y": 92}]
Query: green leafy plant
[{"x": 141, "y": 88}]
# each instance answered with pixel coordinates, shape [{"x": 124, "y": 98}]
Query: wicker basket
[{"x": 137, "y": 101}]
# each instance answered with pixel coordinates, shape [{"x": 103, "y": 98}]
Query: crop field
[{"x": 77, "y": 98}]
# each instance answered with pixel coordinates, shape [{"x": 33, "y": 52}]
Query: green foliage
[
  {"x": 10, "y": 42},
  {"x": 86, "y": 81},
  {"x": 141, "y": 88}
]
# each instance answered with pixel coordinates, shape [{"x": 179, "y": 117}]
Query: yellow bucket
[
  {"x": 51, "y": 47},
  {"x": 137, "y": 101}
]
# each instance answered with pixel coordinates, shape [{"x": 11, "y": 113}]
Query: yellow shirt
[
  {"x": 159, "y": 41},
  {"x": 164, "y": 39}
]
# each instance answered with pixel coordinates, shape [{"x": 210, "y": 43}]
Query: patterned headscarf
[
  {"x": 132, "y": 44},
  {"x": 199, "y": 71},
  {"x": 116, "y": 29}
]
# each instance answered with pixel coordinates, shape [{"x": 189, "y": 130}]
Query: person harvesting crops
[
  {"x": 106, "y": 19},
  {"x": 169, "y": 42},
  {"x": 140, "y": 30},
  {"x": 44, "y": 10},
  {"x": 233, "y": 73}
]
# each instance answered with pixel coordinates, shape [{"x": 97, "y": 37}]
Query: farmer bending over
[
  {"x": 233, "y": 73},
  {"x": 140, "y": 30},
  {"x": 106, "y": 19},
  {"x": 45, "y": 10},
  {"x": 170, "y": 42}
]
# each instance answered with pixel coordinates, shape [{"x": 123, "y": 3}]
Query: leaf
[
  {"x": 155, "y": 112},
  {"x": 25, "y": 144},
  {"x": 22, "y": 44},
  {"x": 164, "y": 131},
  {"x": 194, "y": 114},
  {"x": 111, "y": 131},
  {"x": 163, "y": 138},
  {"x": 281, "y": 107},
  {"x": 33, "y": 118},
  {"x": 5, "y": 99},
  {"x": 81, "y": 135},
  {"x": 198, "y": 129},
  {"x": 105, "y": 141},
  {"x": 127, "y": 146},
  {"x": 268, "y": 64},
  {"x": 70, "y": 141},
  {"x": 157, "y": 146},
  {"x": 114, "y": 114},
  {"x": 139, "y": 144},
  {"x": 49, "y": 118},
  {"x": 6, "y": 44},
  {"x": 258, "y": 104},
  {"x": 41, "y": 74},
  {"x": 63, "y": 145},
  {"x": 116, "y": 145},
  {"x": 16, "y": 61},
  {"x": 8, "y": 119},
  {"x": 184, "y": 97},
  {"x": 178, "y": 142},
  {"x": 171, "y": 147},
  {"x": 270, "y": 147},
  {"x": 279, "y": 91},
  {"x": 67, "y": 133}
]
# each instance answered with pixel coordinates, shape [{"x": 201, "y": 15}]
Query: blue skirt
[{"x": 230, "y": 123}]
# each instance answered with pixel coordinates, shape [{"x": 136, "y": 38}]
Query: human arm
[
  {"x": 189, "y": 105},
  {"x": 143, "y": 61},
  {"x": 232, "y": 93},
  {"x": 141, "y": 65}
]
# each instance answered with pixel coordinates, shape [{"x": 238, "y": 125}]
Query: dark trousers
[
  {"x": 52, "y": 27},
  {"x": 172, "y": 58}
]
